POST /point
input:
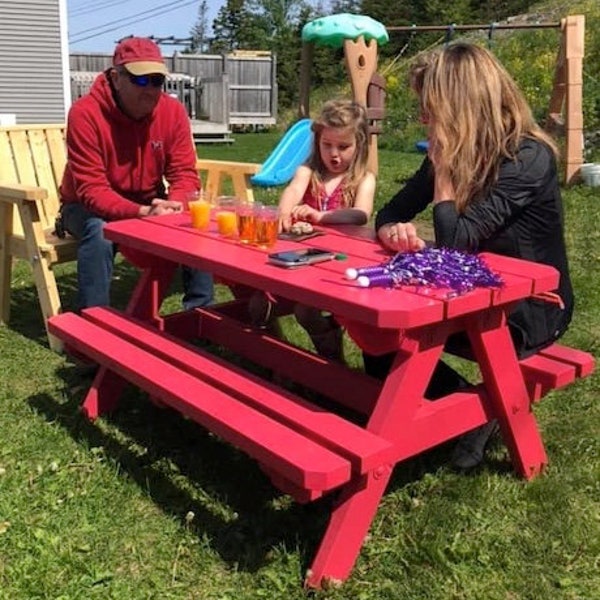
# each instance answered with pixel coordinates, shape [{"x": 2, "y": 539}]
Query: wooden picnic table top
[{"x": 324, "y": 285}]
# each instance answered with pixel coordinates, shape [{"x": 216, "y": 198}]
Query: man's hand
[
  {"x": 160, "y": 207},
  {"x": 400, "y": 237}
]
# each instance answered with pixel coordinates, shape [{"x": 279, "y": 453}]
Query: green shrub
[{"x": 530, "y": 57}]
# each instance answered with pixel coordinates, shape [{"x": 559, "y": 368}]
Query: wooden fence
[{"x": 233, "y": 89}]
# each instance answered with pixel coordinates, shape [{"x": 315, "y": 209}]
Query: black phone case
[{"x": 303, "y": 259}]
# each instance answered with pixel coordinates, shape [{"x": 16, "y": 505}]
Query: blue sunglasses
[{"x": 156, "y": 81}]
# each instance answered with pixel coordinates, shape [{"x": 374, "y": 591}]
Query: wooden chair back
[{"x": 34, "y": 155}]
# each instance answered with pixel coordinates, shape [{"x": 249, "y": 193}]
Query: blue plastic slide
[
  {"x": 292, "y": 150},
  {"x": 422, "y": 146}
]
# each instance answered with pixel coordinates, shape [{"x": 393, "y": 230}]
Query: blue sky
[{"x": 96, "y": 25}]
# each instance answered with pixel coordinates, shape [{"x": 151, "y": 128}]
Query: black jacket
[{"x": 521, "y": 216}]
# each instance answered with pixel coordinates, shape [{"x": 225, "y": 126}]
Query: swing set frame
[{"x": 565, "y": 108}]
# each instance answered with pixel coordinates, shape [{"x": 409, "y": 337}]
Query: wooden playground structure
[{"x": 565, "y": 108}]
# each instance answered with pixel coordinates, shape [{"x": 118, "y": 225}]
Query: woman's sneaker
[{"x": 470, "y": 449}]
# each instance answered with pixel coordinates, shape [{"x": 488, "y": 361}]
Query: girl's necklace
[{"x": 324, "y": 197}]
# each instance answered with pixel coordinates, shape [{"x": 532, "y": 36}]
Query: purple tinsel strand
[
  {"x": 385, "y": 279},
  {"x": 433, "y": 267},
  {"x": 370, "y": 271}
]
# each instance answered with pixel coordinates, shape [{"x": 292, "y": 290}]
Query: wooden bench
[
  {"x": 553, "y": 368},
  {"x": 215, "y": 173},
  {"x": 32, "y": 161},
  {"x": 306, "y": 450}
]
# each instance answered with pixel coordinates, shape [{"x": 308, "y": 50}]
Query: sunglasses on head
[{"x": 156, "y": 81}]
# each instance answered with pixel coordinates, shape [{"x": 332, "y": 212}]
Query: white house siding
[{"x": 34, "y": 69}]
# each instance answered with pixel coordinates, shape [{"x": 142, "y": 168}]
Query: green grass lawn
[{"x": 145, "y": 504}]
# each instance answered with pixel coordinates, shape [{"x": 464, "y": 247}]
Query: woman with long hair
[{"x": 491, "y": 178}]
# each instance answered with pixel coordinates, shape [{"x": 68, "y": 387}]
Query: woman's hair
[
  {"x": 341, "y": 114},
  {"x": 476, "y": 114}
]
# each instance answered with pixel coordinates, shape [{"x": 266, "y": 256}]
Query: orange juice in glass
[
  {"x": 226, "y": 216},
  {"x": 267, "y": 226},
  {"x": 246, "y": 221},
  {"x": 200, "y": 212}
]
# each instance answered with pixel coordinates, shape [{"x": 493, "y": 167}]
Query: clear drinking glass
[
  {"x": 199, "y": 207},
  {"x": 246, "y": 221},
  {"x": 226, "y": 216},
  {"x": 267, "y": 226}
]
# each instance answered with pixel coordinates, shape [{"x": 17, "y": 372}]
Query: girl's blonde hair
[
  {"x": 341, "y": 114},
  {"x": 476, "y": 114}
]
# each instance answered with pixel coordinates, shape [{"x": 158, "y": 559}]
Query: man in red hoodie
[{"x": 124, "y": 140}]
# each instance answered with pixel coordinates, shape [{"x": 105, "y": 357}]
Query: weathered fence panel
[{"x": 233, "y": 89}]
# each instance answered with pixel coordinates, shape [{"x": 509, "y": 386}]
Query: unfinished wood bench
[{"x": 32, "y": 161}]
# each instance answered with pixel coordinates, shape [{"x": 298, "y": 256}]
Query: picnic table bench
[{"x": 307, "y": 450}]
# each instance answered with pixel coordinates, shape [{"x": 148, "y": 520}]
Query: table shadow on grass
[{"x": 185, "y": 468}]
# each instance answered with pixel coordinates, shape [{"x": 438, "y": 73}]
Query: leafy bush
[{"x": 529, "y": 55}]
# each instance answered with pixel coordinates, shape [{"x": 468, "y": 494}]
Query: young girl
[{"x": 333, "y": 187}]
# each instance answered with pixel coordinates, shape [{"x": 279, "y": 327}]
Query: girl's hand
[
  {"x": 285, "y": 222},
  {"x": 304, "y": 212},
  {"x": 400, "y": 237}
]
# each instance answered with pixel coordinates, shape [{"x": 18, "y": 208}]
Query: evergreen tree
[
  {"x": 354, "y": 7},
  {"x": 199, "y": 31},
  {"x": 228, "y": 26}
]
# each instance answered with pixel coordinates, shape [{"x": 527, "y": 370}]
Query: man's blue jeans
[{"x": 95, "y": 258}]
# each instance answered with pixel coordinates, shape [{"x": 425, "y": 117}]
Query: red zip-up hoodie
[{"x": 115, "y": 163}]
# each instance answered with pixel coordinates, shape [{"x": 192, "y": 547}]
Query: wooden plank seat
[
  {"x": 554, "y": 367},
  {"x": 306, "y": 449},
  {"x": 32, "y": 161}
]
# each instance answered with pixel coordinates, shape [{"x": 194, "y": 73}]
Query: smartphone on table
[{"x": 299, "y": 258}]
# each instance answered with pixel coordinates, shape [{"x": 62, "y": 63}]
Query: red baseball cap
[{"x": 140, "y": 56}]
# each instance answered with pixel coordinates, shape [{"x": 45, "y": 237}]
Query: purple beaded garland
[{"x": 432, "y": 267}]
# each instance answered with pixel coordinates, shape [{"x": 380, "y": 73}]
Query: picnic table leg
[
  {"x": 145, "y": 302},
  {"x": 494, "y": 349},
  {"x": 358, "y": 502},
  {"x": 347, "y": 528},
  {"x": 103, "y": 395},
  {"x": 150, "y": 291}
]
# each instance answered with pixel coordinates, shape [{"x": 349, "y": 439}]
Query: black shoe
[{"x": 470, "y": 449}]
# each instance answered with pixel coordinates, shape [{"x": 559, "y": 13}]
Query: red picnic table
[{"x": 305, "y": 449}]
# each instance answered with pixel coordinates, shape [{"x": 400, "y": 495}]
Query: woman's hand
[{"x": 400, "y": 237}]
